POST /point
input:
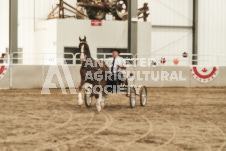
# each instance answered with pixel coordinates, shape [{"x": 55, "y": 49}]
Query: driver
[{"x": 116, "y": 65}]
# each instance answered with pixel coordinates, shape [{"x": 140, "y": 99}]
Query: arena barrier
[{"x": 34, "y": 76}]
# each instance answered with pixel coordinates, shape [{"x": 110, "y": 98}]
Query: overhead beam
[
  {"x": 132, "y": 26},
  {"x": 13, "y": 29},
  {"x": 195, "y": 32}
]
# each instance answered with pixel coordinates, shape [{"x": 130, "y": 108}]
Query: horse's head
[{"x": 84, "y": 49}]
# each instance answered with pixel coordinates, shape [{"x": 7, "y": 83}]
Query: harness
[
  {"x": 98, "y": 68},
  {"x": 83, "y": 42}
]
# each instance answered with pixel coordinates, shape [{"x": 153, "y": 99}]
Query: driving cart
[{"x": 129, "y": 91}]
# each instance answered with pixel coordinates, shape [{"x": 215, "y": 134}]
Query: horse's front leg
[
  {"x": 99, "y": 100},
  {"x": 80, "y": 101}
]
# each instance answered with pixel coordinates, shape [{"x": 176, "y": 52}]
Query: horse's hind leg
[
  {"x": 80, "y": 101},
  {"x": 99, "y": 100},
  {"x": 103, "y": 100}
]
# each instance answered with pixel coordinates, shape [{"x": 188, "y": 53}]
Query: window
[
  {"x": 69, "y": 57},
  {"x": 108, "y": 50},
  {"x": 17, "y": 57}
]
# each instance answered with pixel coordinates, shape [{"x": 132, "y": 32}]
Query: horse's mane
[{"x": 99, "y": 64}]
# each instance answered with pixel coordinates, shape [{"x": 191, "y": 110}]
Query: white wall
[
  {"x": 26, "y": 28},
  {"x": 45, "y": 42},
  {"x": 109, "y": 35},
  {"x": 168, "y": 40},
  {"x": 171, "y": 40},
  {"x": 170, "y": 12},
  {"x": 4, "y": 25},
  {"x": 212, "y": 30},
  {"x": 212, "y": 25},
  {"x": 163, "y": 12},
  {"x": 61, "y": 33},
  {"x": 34, "y": 77},
  {"x": 170, "y": 43}
]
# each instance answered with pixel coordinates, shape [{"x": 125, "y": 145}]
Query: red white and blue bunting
[
  {"x": 204, "y": 74},
  {"x": 3, "y": 71}
]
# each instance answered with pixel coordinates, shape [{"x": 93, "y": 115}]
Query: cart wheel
[
  {"x": 95, "y": 13},
  {"x": 143, "y": 96},
  {"x": 119, "y": 9},
  {"x": 88, "y": 97},
  {"x": 132, "y": 97}
]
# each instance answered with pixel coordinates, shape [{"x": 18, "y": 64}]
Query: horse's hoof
[
  {"x": 80, "y": 103},
  {"x": 102, "y": 104},
  {"x": 98, "y": 108}
]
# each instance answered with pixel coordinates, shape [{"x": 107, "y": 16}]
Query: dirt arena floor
[{"x": 174, "y": 119}]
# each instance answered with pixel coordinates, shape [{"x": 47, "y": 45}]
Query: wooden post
[
  {"x": 61, "y": 9},
  {"x": 145, "y": 11}
]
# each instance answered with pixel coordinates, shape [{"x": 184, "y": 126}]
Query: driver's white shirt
[{"x": 118, "y": 61}]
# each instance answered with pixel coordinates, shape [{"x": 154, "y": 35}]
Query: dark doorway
[{"x": 68, "y": 57}]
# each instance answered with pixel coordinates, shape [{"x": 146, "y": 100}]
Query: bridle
[
  {"x": 82, "y": 50},
  {"x": 83, "y": 42}
]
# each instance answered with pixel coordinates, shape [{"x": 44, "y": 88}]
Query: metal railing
[
  {"x": 128, "y": 57},
  {"x": 4, "y": 61},
  {"x": 201, "y": 59},
  {"x": 73, "y": 59},
  {"x": 41, "y": 58}
]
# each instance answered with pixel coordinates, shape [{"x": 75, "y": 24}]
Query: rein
[
  {"x": 91, "y": 68},
  {"x": 98, "y": 68}
]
